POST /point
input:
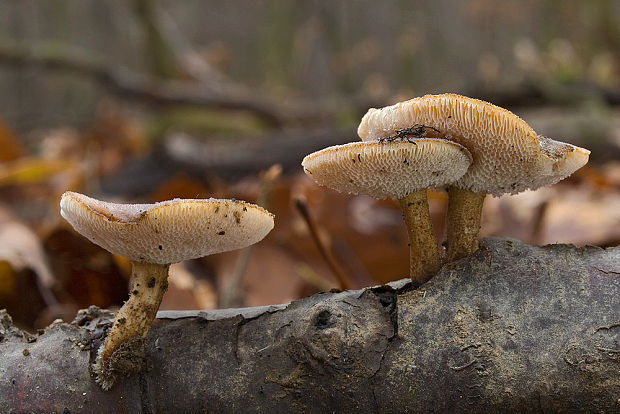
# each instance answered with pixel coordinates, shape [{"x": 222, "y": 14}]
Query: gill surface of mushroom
[
  {"x": 508, "y": 155},
  {"x": 153, "y": 236},
  {"x": 403, "y": 170}
]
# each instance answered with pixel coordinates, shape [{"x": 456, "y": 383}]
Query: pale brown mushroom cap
[
  {"x": 508, "y": 155},
  {"x": 169, "y": 231},
  {"x": 388, "y": 169}
]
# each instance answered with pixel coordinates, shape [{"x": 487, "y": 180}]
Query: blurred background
[{"x": 146, "y": 100}]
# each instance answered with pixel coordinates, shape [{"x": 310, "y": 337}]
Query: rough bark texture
[{"x": 514, "y": 328}]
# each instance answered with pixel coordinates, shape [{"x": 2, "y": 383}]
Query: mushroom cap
[
  {"x": 508, "y": 156},
  {"x": 169, "y": 231},
  {"x": 383, "y": 169}
]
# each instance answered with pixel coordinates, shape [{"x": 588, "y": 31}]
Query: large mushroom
[
  {"x": 401, "y": 169},
  {"x": 153, "y": 236},
  {"x": 508, "y": 156}
]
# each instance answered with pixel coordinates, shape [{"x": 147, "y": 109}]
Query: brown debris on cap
[
  {"x": 388, "y": 169},
  {"x": 169, "y": 231},
  {"x": 508, "y": 155}
]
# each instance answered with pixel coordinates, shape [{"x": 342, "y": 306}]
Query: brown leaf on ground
[
  {"x": 26, "y": 280},
  {"x": 86, "y": 274},
  {"x": 186, "y": 291},
  {"x": 578, "y": 214}
]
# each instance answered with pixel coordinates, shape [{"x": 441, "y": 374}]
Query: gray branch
[
  {"x": 514, "y": 328},
  {"x": 146, "y": 89}
]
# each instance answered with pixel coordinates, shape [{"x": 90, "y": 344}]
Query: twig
[
  {"x": 538, "y": 222},
  {"x": 160, "y": 52},
  {"x": 314, "y": 279},
  {"x": 131, "y": 85},
  {"x": 231, "y": 290},
  {"x": 302, "y": 207},
  {"x": 147, "y": 89}
]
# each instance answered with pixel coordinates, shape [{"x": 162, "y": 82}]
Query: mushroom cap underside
[
  {"x": 169, "y": 231},
  {"x": 383, "y": 169},
  {"x": 508, "y": 155}
]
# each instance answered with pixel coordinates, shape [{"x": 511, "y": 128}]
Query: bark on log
[{"x": 513, "y": 328}]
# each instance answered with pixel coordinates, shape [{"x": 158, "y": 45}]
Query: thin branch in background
[
  {"x": 302, "y": 207},
  {"x": 147, "y": 89},
  {"x": 125, "y": 83},
  {"x": 190, "y": 60},
  {"x": 161, "y": 54},
  {"x": 314, "y": 279},
  {"x": 230, "y": 293},
  {"x": 538, "y": 222}
]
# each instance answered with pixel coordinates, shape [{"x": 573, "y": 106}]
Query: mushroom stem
[
  {"x": 424, "y": 259},
  {"x": 149, "y": 283},
  {"x": 464, "y": 212}
]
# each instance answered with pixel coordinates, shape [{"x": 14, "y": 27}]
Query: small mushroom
[
  {"x": 153, "y": 236},
  {"x": 400, "y": 169},
  {"x": 508, "y": 156}
]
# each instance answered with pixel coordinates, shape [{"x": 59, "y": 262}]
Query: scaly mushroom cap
[
  {"x": 388, "y": 169},
  {"x": 508, "y": 156},
  {"x": 169, "y": 231}
]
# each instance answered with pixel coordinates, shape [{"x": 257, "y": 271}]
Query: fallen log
[{"x": 513, "y": 328}]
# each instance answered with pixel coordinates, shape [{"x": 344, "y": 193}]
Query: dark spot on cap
[
  {"x": 217, "y": 209},
  {"x": 151, "y": 282},
  {"x": 245, "y": 208},
  {"x": 359, "y": 158},
  {"x": 122, "y": 320},
  {"x": 160, "y": 247},
  {"x": 135, "y": 291},
  {"x": 221, "y": 233},
  {"x": 26, "y": 352}
]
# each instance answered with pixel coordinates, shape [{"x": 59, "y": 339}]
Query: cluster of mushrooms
[{"x": 467, "y": 146}]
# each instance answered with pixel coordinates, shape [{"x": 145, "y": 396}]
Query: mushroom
[
  {"x": 508, "y": 156},
  {"x": 400, "y": 169},
  {"x": 152, "y": 236}
]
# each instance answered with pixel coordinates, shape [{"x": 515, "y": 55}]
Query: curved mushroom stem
[
  {"x": 464, "y": 212},
  {"x": 424, "y": 259},
  {"x": 149, "y": 283}
]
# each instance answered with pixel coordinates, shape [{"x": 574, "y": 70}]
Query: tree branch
[
  {"x": 513, "y": 328},
  {"x": 130, "y": 85}
]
